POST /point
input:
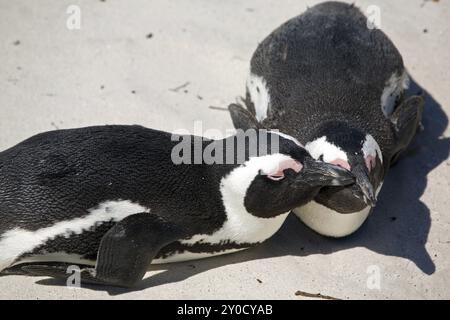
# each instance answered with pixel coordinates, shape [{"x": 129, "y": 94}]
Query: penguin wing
[{"x": 406, "y": 119}]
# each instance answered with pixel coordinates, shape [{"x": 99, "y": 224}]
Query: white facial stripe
[
  {"x": 394, "y": 87},
  {"x": 16, "y": 242},
  {"x": 259, "y": 95},
  {"x": 323, "y": 147},
  {"x": 288, "y": 137},
  {"x": 371, "y": 148},
  {"x": 250, "y": 169},
  {"x": 241, "y": 226},
  {"x": 333, "y": 154}
]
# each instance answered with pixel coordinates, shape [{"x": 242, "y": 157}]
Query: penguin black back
[
  {"x": 83, "y": 167},
  {"x": 318, "y": 66}
]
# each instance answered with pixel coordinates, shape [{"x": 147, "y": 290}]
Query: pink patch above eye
[
  {"x": 292, "y": 164},
  {"x": 341, "y": 163},
  {"x": 370, "y": 162},
  {"x": 284, "y": 165}
]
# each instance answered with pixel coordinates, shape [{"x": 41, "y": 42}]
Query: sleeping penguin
[
  {"x": 337, "y": 86},
  {"x": 114, "y": 199}
]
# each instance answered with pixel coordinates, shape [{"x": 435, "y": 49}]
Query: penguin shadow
[{"x": 399, "y": 225}]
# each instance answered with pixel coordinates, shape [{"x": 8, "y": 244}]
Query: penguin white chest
[
  {"x": 241, "y": 229},
  {"x": 330, "y": 223}
]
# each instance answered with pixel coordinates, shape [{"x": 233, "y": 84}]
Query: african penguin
[
  {"x": 337, "y": 86},
  {"x": 116, "y": 198}
]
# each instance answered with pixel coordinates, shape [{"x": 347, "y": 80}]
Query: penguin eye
[{"x": 276, "y": 177}]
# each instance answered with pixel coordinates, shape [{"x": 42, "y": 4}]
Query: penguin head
[
  {"x": 281, "y": 180},
  {"x": 350, "y": 148}
]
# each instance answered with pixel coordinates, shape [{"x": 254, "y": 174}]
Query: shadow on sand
[{"x": 399, "y": 226}]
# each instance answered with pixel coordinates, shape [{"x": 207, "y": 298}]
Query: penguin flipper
[
  {"x": 406, "y": 119},
  {"x": 128, "y": 248},
  {"x": 124, "y": 255},
  {"x": 242, "y": 118}
]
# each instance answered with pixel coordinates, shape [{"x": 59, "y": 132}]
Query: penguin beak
[
  {"x": 364, "y": 184},
  {"x": 317, "y": 173}
]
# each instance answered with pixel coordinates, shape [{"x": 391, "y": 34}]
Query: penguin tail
[{"x": 242, "y": 118}]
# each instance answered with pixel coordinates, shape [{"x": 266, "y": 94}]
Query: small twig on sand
[
  {"x": 218, "y": 108},
  {"x": 176, "y": 89},
  {"x": 314, "y": 295}
]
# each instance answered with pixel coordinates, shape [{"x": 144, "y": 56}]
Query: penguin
[
  {"x": 337, "y": 85},
  {"x": 114, "y": 199}
]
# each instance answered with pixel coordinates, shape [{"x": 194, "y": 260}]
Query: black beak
[
  {"x": 317, "y": 173},
  {"x": 363, "y": 182}
]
